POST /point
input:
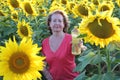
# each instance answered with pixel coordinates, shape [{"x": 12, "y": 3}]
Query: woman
[{"x": 57, "y": 48}]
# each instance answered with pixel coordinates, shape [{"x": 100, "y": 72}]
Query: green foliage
[
  {"x": 99, "y": 64},
  {"x": 93, "y": 64}
]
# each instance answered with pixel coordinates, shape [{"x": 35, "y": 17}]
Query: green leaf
[
  {"x": 1, "y": 78},
  {"x": 85, "y": 60},
  {"x": 111, "y": 46},
  {"x": 8, "y": 31},
  {"x": 82, "y": 35},
  {"x": 108, "y": 76},
  {"x": 96, "y": 77},
  {"x": 96, "y": 59},
  {"x": 81, "y": 76}
]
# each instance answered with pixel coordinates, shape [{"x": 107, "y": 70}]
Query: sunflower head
[
  {"x": 63, "y": 2},
  {"x": 81, "y": 10},
  {"x": 24, "y": 29},
  {"x": 20, "y": 60},
  {"x": 106, "y": 6},
  {"x": 118, "y": 2},
  {"x": 28, "y": 8},
  {"x": 1, "y": 13},
  {"x": 100, "y": 29},
  {"x": 56, "y": 6},
  {"x": 14, "y": 15},
  {"x": 3, "y": 3},
  {"x": 95, "y": 2},
  {"x": 42, "y": 11},
  {"x": 70, "y": 5},
  {"x": 13, "y": 4},
  {"x": 37, "y": 3}
]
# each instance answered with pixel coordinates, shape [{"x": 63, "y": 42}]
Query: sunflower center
[
  {"x": 14, "y": 16},
  {"x": 95, "y": 2},
  {"x": 24, "y": 30},
  {"x": 41, "y": 10},
  {"x": 63, "y": 1},
  {"x": 1, "y": 14},
  {"x": 105, "y": 30},
  {"x": 82, "y": 10},
  {"x": 28, "y": 8},
  {"x": 14, "y": 3},
  {"x": 19, "y": 63},
  {"x": 104, "y": 8},
  {"x": 72, "y": 5}
]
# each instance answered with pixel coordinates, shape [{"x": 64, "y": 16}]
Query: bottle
[{"x": 76, "y": 42}]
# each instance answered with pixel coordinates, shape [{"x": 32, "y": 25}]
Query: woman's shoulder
[
  {"x": 44, "y": 40},
  {"x": 68, "y": 36}
]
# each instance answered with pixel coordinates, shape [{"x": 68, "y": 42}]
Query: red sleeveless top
[{"x": 62, "y": 62}]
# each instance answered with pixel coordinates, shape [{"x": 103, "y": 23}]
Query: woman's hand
[
  {"x": 82, "y": 46},
  {"x": 78, "y": 47},
  {"x": 47, "y": 74}
]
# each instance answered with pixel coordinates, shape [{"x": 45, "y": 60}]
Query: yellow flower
[
  {"x": 24, "y": 30},
  {"x": 14, "y": 15},
  {"x": 118, "y": 2},
  {"x": 42, "y": 12},
  {"x": 37, "y": 3},
  {"x": 106, "y": 6},
  {"x": 20, "y": 61},
  {"x": 13, "y": 4},
  {"x": 70, "y": 5},
  {"x": 64, "y": 2},
  {"x": 81, "y": 10},
  {"x": 1, "y": 13},
  {"x": 3, "y": 3},
  {"x": 100, "y": 29},
  {"x": 56, "y": 6},
  {"x": 28, "y": 8},
  {"x": 96, "y": 2}
]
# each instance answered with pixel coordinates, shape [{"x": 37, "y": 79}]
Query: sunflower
[
  {"x": 38, "y": 3},
  {"x": 56, "y": 6},
  {"x": 100, "y": 29},
  {"x": 1, "y": 13},
  {"x": 106, "y": 6},
  {"x": 13, "y": 4},
  {"x": 118, "y": 2},
  {"x": 14, "y": 15},
  {"x": 96, "y": 2},
  {"x": 28, "y": 8},
  {"x": 64, "y": 2},
  {"x": 42, "y": 11},
  {"x": 20, "y": 62},
  {"x": 81, "y": 10},
  {"x": 3, "y": 3},
  {"x": 24, "y": 30},
  {"x": 70, "y": 5}
]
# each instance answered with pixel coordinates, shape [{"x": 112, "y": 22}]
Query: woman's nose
[{"x": 57, "y": 22}]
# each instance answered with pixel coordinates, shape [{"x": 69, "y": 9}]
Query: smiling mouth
[{"x": 57, "y": 26}]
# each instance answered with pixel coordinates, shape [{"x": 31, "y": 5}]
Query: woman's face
[{"x": 57, "y": 23}]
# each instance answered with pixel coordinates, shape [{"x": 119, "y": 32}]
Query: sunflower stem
[
  {"x": 99, "y": 66},
  {"x": 108, "y": 61}
]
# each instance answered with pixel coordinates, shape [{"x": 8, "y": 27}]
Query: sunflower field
[{"x": 23, "y": 27}]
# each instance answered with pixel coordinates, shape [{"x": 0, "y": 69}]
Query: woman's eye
[
  {"x": 54, "y": 20},
  {"x": 60, "y": 21},
  {"x": 57, "y": 21}
]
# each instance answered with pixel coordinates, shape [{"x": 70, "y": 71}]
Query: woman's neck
[{"x": 58, "y": 34}]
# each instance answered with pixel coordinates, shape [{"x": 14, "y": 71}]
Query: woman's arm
[{"x": 46, "y": 73}]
